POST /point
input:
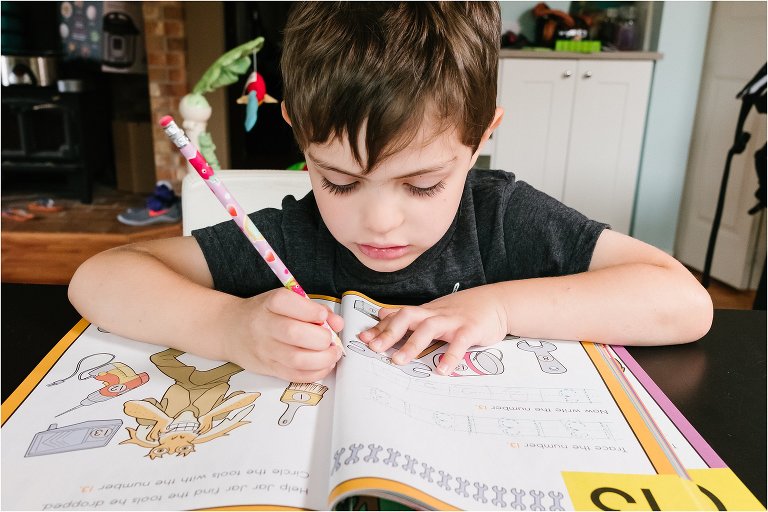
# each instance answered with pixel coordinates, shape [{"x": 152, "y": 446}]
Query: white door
[
  {"x": 610, "y": 103},
  {"x": 736, "y": 49},
  {"x": 532, "y": 140}
]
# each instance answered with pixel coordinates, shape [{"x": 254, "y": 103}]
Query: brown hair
[{"x": 386, "y": 65}]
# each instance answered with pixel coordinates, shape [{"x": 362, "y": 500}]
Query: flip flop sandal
[
  {"x": 46, "y": 205},
  {"x": 17, "y": 214}
]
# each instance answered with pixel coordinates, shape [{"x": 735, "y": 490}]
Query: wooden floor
[
  {"x": 727, "y": 297},
  {"x": 48, "y": 249}
]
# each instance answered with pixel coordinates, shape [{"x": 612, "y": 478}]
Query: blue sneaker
[{"x": 162, "y": 206}]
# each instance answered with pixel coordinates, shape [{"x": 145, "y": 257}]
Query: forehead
[{"x": 430, "y": 144}]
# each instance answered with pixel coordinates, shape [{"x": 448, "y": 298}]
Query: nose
[{"x": 382, "y": 213}]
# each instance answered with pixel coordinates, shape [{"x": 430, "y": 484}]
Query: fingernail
[
  {"x": 375, "y": 345},
  {"x": 444, "y": 369},
  {"x": 399, "y": 358}
]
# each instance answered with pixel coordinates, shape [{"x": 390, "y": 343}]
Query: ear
[
  {"x": 497, "y": 117},
  {"x": 285, "y": 113},
  {"x": 495, "y": 122}
]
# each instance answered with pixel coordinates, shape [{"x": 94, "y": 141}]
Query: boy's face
[{"x": 392, "y": 215}]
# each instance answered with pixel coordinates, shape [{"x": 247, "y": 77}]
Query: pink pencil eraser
[{"x": 165, "y": 121}]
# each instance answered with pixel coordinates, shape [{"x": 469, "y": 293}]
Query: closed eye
[
  {"x": 340, "y": 190},
  {"x": 426, "y": 191}
]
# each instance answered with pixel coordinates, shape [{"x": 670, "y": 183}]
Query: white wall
[{"x": 671, "y": 112}]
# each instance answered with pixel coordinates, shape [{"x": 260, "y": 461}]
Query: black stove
[{"x": 58, "y": 140}]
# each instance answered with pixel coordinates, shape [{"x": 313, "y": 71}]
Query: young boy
[{"x": 391, "y": 104}]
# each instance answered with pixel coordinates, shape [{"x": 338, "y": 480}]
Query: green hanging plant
[{"x": 225, "y": 71}]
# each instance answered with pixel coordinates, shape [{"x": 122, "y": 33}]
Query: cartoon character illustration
[
  {"x": 194, "y": 409},
  {"x": 294, "y": 286}
]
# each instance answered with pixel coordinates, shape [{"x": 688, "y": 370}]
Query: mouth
[
  {"x": 189, "y": 426},
  {"x": 380, "y": 252}
]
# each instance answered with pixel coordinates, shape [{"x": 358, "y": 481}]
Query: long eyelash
[
  {"x": 426, "y": 192},
  {"x": 337, "y": 189}
]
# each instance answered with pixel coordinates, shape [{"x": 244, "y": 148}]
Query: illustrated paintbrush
[{"x": 299, "y": 394}]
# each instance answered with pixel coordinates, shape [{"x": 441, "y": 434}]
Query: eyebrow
[{"x": 330, "y": 167}]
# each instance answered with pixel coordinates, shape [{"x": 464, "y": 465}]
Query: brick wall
[{"x": 166, "y": 47}]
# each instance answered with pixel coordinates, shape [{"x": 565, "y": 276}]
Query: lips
[{"x": 379, "y": 252}]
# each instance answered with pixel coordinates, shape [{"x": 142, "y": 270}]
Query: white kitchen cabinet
[{"x": 574, "y": 128}]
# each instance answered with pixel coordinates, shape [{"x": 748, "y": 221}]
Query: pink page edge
[{"x": 699, "y": 444}]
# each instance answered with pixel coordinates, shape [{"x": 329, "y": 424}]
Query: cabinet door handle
[
  {"x": 568, "y": 73},
  {"x": 588, "y": 74}
]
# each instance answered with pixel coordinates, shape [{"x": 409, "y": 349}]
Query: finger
[
  {"x": 283, "y": 372},
  {"x": 457, "y": 348},
  {"x": 385, "y": 312},
  {"x": 305, "y": 360},
  {"x": 287, "y": 303},
  {"x": 305, "y": 335},
  {"x": 368, "y": 335},
  {"x": 424, "y": 334},
  {"x": 335, "y": 321},
  {"x": 396, "y": 326}
]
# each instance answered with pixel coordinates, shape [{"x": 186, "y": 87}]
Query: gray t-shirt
[{"x": 504, "y": 230}]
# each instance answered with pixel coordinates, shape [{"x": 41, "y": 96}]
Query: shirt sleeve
[
  {"x": 235, "y": 265},
  {"x": 544, "y": 237}
]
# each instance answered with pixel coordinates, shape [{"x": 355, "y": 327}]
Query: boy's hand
[
  {"x": 281, "y": 335},
  {"x": 463, "y": 319}
]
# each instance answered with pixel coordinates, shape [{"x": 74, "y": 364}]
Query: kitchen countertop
[{"x": 549, "y": 54}]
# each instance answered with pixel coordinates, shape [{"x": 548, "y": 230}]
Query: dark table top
[{"x": 718, "y": 383}]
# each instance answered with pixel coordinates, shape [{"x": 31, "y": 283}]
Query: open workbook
[{"x": 109, "y": 423}]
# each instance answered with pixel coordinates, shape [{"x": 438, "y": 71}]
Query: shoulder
[
  {"x": 489, "y": 180},
  {"x": 489, "y": 192},
  {"x": 296, "y": 214}
]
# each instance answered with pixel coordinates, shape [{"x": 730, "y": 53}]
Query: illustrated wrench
[
  {"x": 546, "y": 360},
  {"x": 414, "y": 369}
]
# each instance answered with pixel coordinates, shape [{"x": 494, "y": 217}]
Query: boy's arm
[
  {"x": 633, "y": 294},
  {"x": 161, "y": 292},
  {"x": 123, "y": 290}
]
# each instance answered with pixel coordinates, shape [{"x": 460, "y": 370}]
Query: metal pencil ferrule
[{"x": 176, "y": 134}]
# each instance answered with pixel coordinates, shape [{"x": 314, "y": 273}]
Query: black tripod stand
[{"x": 753, "y": 94}]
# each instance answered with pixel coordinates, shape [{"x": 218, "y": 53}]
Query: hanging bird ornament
[
  {"x": 225, "y": 71},
  {"x": 254, "y": 94}
]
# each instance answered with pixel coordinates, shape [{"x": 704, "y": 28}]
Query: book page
[
  {"x": 496, "y": 434},
  {"x": 685, "y": 451},
  {"x": 138, "y": 427}
]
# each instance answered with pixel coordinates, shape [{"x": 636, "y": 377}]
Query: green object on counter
[
  {"x": 564, "y": 45},
  {"x": 298, "y": 166}
]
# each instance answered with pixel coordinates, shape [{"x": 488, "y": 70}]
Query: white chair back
[{"x": 253, "y": 189}]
